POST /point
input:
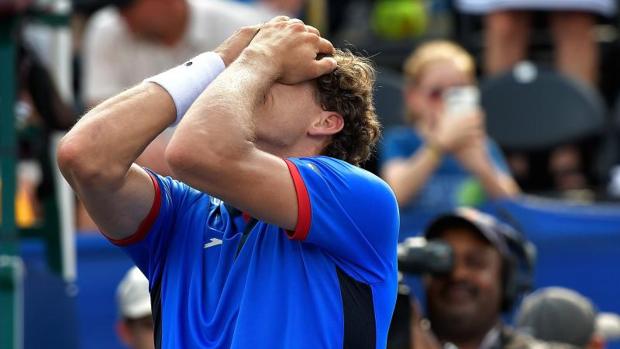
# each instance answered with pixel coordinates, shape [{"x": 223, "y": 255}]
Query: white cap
[
  {"x": 608, "y": 326},
  {"x": 132, "y": 295}
]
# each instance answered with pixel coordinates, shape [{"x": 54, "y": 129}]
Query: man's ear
[{"x": 327, "y": 124}]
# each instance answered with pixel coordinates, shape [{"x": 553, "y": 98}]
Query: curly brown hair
[{"x": 348, "y": 91}]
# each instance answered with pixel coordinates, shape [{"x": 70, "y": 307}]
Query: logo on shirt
[
  {"x": 215, "y": 201},
  {"x": 213, "y": 242}
]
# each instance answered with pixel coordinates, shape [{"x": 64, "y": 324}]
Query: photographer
[
  {"x": 465, "y": 305},
  {"x": 442, "y": 157},
  {"x": 490, "y": 267}
]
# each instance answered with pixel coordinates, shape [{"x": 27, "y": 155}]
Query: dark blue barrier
[
  {"x": 101, "y": 266},
  {"x": 578, "y": 245},
  {"x": 73, "y": 316},
  {"x": 50, "y": 308}
]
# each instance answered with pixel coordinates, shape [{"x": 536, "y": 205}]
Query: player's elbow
[
  {"x": 79, "y": 166},
  {"x": 184, "y": 153},
  {"x": 183, "y": 160},
  {"x": 176, "y": 158}
]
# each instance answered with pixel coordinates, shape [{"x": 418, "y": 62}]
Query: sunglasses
[{"x": 436, "y": 93}]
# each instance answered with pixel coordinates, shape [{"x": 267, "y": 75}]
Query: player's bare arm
[
  {"x": 97, "y": 156},
  {"x": 214, "y": 147}
]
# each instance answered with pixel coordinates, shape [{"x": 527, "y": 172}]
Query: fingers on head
[
  {"x": 249, "y": 30},
  {"x": 324, "y": 65},
  {"x": 313, "y": 30},
  {"x": 325, "y": 46},
  {"x": 280, "y": 19}
]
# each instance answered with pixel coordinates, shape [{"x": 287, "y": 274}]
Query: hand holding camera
[{"x": 461, "y": 124}]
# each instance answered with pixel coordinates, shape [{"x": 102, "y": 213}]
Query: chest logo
[{"x": 214, "y": 242}]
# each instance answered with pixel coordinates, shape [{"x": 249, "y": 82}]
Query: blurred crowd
[
  {"x": 545, "y": 81},
  {"x": 457, "y": 132}
]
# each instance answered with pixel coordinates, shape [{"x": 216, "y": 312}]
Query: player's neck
[{"x": 301, "y": 149}]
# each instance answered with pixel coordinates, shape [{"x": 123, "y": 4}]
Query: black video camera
[{"x": 416, "y": 255}]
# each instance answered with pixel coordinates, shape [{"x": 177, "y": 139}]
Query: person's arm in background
[
  {"x": 97, "y": 156},
  {"x": 487, "y": 166},
  {"x": 221, "y": 124},
  {"x": 407, "y": 176},
  {"x": 37, "y": 81}
]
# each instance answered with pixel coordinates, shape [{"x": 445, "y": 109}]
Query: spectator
[
  {"x": 432, "y": 162},
  {"x": 571, "y": 22},
  {"x": 465, "y": 306},
  {"x": 608, "y": 326},
  {"x": 560, "y": 315},
  {"x": 293, "y": 8},
  {"x": 135, "y": 326}
]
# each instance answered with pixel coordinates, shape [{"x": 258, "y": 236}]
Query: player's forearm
[
  {"x": 220, "y": 124},
  {"x": 102, "y": 146}
]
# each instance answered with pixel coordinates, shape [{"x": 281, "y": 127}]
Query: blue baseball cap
[{"x": 490, "y": 228}]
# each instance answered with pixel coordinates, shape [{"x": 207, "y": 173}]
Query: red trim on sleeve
[
  {"x": 303, "y": 205},
  {"x": 246, "y": 217},
  {"x": 148, "y": 221}
]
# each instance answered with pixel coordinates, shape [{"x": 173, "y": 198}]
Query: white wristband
[{"x": 186, "y": 82}]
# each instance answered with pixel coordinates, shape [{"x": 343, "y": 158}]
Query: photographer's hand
[
  {"x": 452, "y": 132},
  {"x": 475, "y": 158},
  {"x": 421, "y": 334}
]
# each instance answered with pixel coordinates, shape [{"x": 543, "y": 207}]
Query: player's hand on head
[
  {"x": 232, "y": 47},
  {"x": 293, "y": 48}
]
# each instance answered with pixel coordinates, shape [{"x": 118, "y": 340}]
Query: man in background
[
  {"x": 560, "y": 315},
  {"x": 464, "y": 306},
  {"x": 135, "y": 324}
]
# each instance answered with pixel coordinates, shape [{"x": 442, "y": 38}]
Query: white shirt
[
  {"x": 602, "y": 7},
  {"x": 115, "y": 60}
]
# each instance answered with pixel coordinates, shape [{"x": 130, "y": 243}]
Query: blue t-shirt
[
  {"x": 449, "y": 186},
  {"x": 331, "y": 283}
]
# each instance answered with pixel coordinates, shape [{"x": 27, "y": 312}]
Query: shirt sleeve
[
  {"x": 349, "y": 212},
  {"x": 173, "y": 204}
]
